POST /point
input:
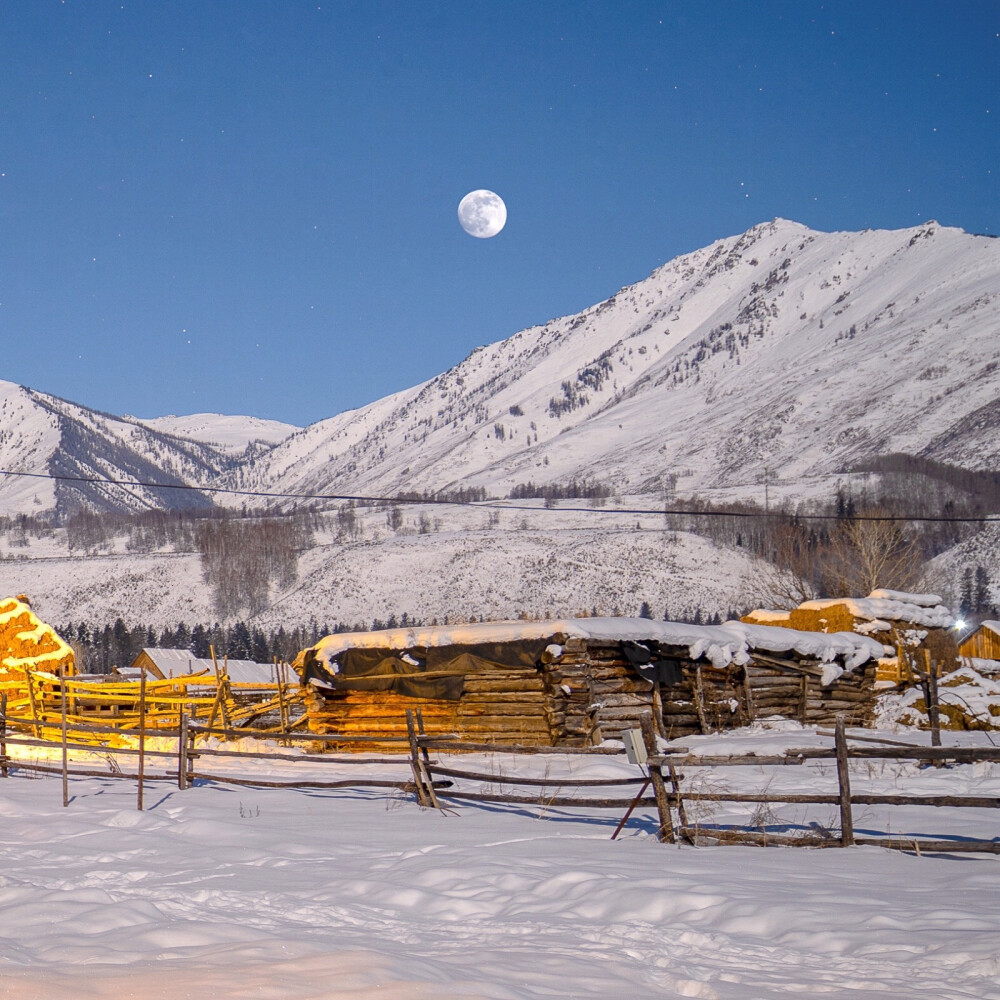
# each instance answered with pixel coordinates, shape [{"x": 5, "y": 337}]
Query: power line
[{"x": 498, "y": 505}]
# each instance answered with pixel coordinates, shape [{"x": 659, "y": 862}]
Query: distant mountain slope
[
  {"x": 783, "y": 348},
  {"x": 46, "y": 435},
  {"x": 226, "y": 433}
]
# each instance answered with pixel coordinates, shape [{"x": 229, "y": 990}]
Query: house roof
[{"x": 180, "y": 662}]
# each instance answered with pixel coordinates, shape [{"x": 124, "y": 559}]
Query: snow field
[
  {"x": 572, "y": 567},
  {"x": 220, "y": 891}
]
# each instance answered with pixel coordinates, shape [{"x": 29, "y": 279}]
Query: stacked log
[
  {"x": 502, "y": 706},
  {"x": 586, "y": 690},
  {"x": 798, "y": 694},
  {"x": 593, "y": 693}
]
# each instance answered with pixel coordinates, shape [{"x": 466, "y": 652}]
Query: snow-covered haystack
[
  {"x": 916, "y": 626},
  {"x": 27, "y": 643},
  {"x": 968, "y": 698}
]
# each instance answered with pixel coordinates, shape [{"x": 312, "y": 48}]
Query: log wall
[{"x": 590, "y": 692}]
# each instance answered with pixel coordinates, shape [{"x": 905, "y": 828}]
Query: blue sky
[{"x": 249, "y": 206}]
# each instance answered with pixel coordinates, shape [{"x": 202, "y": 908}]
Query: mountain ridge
[
  {"x": 781, "y": 351},
  {"x": 702, "y": 371}
]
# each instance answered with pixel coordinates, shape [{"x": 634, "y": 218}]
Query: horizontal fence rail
[{"x": 663, "y": 785}]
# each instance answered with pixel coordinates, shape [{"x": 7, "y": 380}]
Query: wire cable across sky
[{"x": 504, "y": 505}]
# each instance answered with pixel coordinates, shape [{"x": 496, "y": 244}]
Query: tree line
[{"x": 99, "y": 649}]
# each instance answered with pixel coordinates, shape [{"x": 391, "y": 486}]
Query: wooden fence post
[
  {"x": 748, "y": 695},
  {"x": 189, "y": 756},
  {"x": 282, "y": 708},
  {"x": 699, "y": 700},
  {"x": 665, "y": 834},
  {"x": 425, "y": 761},
  {"x": 418, "y": 778},
  {"x": 658, "y": 721},
  {"x": 142, "y": 737},
  {"x": 30, "y": 678},
  {"x": 182, "y": 738},
  {"x": 3, "y": 734},
  {"x": 227, "y": 693},
  {"x": 675, "y": 785},
  {"x": 844, "y": 780},
  {"x": 65, "y": 761},
  {"x": 933, "y": 706}
]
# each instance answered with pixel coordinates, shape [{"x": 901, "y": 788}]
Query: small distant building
[
  {"x": 983, "y": 644},
  {"x": 168, "y": 664},
  {"x": 165, "y": 664}
]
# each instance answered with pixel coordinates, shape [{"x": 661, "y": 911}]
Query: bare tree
[
  {"x": 791, "y": 574},
  {"x": 864, "y": 555}
]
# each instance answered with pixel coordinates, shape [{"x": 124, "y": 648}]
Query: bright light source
[{"x": 959, "y": 625}]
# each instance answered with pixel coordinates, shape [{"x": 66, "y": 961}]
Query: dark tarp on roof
[
  {"x": 363, "y": 669},
  {"x": 650, "y": 664}
]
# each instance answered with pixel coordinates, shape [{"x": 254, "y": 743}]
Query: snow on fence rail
[{"x": 432, "y": 781}]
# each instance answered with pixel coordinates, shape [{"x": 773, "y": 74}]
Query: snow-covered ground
[
  {"x": 226, "y": 892},
  {"x": 541, "y": 563}
]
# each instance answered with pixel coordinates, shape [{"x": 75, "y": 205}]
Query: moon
[{"x": 482, "y": 213}]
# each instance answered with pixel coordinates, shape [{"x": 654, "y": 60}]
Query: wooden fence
[
  {"x": 49, "y": 702},
  {"x": 432, "y": 782}
]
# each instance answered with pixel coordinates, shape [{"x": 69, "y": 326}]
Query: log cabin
[
  {"x": 983, "y": 644},
  {"x": 576, "y": 682}
]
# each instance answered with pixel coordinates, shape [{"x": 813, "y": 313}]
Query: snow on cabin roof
[
  {"x": 248, "y": 672},
  {"x": 994, "y": 627},
  {"x": 721, "y": 645},
  {"x": 175, "y": 662},
  {"x": 181, "y": 662},
  {"x": 891, "y": 605}
]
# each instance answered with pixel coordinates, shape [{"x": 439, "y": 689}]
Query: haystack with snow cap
[
  {"x": 27, "y": 644},
  {"x": 577, "y": 681},
  {"x": 916, "y": 626}
]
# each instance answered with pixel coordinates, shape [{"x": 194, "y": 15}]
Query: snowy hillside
[
  {"x": 226, "y": 433},
  {"x": 783, "y": 348},
  {"x": 562, "y": 567},
  {"x": 45, "y": 435}
]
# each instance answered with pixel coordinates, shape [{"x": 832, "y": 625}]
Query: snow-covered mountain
[
  {"x": 225, "y": 433},
  {"x": 783, "y": 348},
  {"x": 44, "y": 435}
]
